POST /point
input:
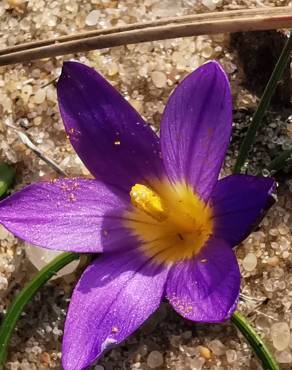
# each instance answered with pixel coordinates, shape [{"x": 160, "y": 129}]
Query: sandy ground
[{"x": 145, "y": 74}]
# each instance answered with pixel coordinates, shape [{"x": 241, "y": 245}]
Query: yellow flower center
[{"x": 170, "y": 220}]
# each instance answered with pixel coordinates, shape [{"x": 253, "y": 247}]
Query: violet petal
[
  {"x": 239, "y": 202},
  {"x": 78, "y": 215},
  {"x": 196, "y": 128},
  {"x": 110, "y": 137},
  {"x": 113, "y": 298},
  {"x": 206, "y": 288}
]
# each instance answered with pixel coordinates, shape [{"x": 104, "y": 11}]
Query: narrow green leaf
[
  {"x": 6, "y": 177},
  {"x": 258, "y": 346},
  {"x": 263, "y": 105},
  {"x": 21, "y": 300}
]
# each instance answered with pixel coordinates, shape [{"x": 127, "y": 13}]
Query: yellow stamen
[
  {"x": 171, "y": 221},
  {"x": 148, "y": 201}
]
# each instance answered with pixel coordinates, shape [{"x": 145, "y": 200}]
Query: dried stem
[
  {"x": 199, "y": 24},
  {"x": 26, "y": 141}
]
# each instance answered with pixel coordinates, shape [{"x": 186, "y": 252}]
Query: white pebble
[
  {"x": 210, "y": 4},
  {"x": 217, "y": 347},
  {"x": 159, "y": 79},
  {"x": 51, "y": 94},
  {"x": 280, "y": 334},
  {"x": 196, "y": 363},
  {"x": 284, "y": 357},
  {"x": 26, "y": 92},
  {"x": 3, "y": 283},
  {"x": 207, "y": 51},
  {"x": 273, "y": 261},
  {"x": 285, "y": 254},
  {"x": 51, "y": 21},
  {"x": 92, "y": 18},
  {"x": 40, "y": 96},
  {"x": 154, "y": 359},
  {"x": 231, "y": 356},
  {"x": 249, "y": 262}
]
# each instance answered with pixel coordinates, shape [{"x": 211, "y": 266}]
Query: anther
[{"x": 148, "y": 201}]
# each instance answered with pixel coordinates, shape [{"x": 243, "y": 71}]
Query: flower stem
[
  {"x": 21, "y": 300},
  {"x": 259, "y": 347},
  {"x": 279, "y": 162},
  {"x": 263, "y": 105}
]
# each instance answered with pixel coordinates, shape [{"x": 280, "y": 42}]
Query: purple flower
[{"x": 156, "y": 209}]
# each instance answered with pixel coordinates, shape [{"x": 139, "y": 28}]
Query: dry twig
[
  {"x": 199, "y": 24},
  {"x": 26, "y": 141}
]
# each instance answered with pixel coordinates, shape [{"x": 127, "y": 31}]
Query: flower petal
[
  {"x": 110, "y": 137},
  {"x": 76, "y": 215},
  {"x": 114, "y": 296},
  {"x": 196, "y": 128},
  {"x": 206, "y": 288},
  {"x": 239, "y": 201}
]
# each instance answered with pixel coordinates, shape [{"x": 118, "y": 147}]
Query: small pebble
[
  {"x": 262, "y": 322},
  {"x": 137, "y": 104},
  {"x": 45, "y": 358},
  {"x": 210, "y": 4},
  {"x": 15, "y": 3},
  {"x": 196, "y": 363},
  {"x": 40, "y": 96},
  {"x": 284, "y": 357},
  {"x": 205, "y": 352},
  {"x": 159, "y": 79},
  {"x": 3, "y": 283},
  {"x": 112, "y": 69},
  {"x": 231, "y": 356},
  {"x": 283, "y": 229},
  {"x": 154, "y": 359},
  {"x": 26, "y": 92},
  {"x": 207, "y": 51},
  {"x": 217, "y": 347},
  {"x": 285, "y": 254},
  {"x": 249, "y": 262},
  {"x": 280, "y": 335},
  {"x": 273, "y": 261},
  {"x": 92, "y": 18}
]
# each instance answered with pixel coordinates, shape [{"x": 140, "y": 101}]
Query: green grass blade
[
  {"x": 263, "y": 105},
  {"x": 259, "y": 347},
  {"x": 21, "y": 300},
  {"x": 6, "y": 177}
]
